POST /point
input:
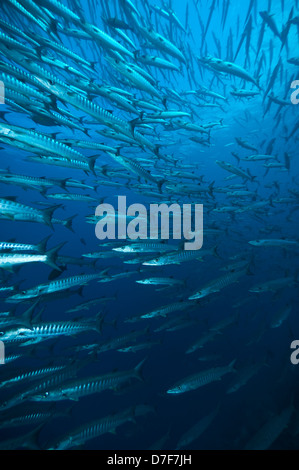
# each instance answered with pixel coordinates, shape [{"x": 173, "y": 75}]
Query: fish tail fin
[
  {"x": 232, "y": 365},
  {"x": 33, "y": 437},
  {"x": 3, "y": 114},
  {"x": 138, "y": 372},
  {"x": 211, "y": 189},
  {"x": 92, "y": 162},
  {"x": 48, "y": 214},
  {"x": 63, "y": 183},
  {"x": 69, "y": 223},
  {"x": 160, "y": 184},
  {"x": 216, "y": 252},
  {"x": 52, "y": 256},
  {"x": 42, "y": 245},
  {"x": 134, "y": 123},
  {"x": 100, "y": 322},
  {"x": 157, "y": 149},
  {"x": 28, "y": 315}
]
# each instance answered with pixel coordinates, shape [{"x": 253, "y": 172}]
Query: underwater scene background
[{"x": 140, "y": 344}]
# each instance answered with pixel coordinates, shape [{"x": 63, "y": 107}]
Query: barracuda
[
  {"x": 134, "y": 77},
  {"x": 161, "y": 43},
  {"x": 30, "y": 16},
  {"x": 59, "y": 9},
  {"x": 66, "y": 162},
  {"x": 26, "y": 419},
  {"x": 31, "y": 181},
  {"x": 54, "y": 62},
  {"x": 18, "y": 73},
  {"x": 280, "y": 243},
  {"x": 271, "y": 430},
  {"x": 228, "y": 68},
  {"x": 91, "y": 385},
  {"x": 83, "y": 144},
  {"x": 55, "y": 286},
  {"x": 16, "y": 85},
  {"x": 144, "y": 248},
  {"x": 89, "y": 431},
  {"x": 39, "y": 332},
  {"x": 236, "y": 171},
  {"x": 157, "y": 62},
  {"x": 169, "y": 115},
  {"x": 12, "y": 210},
  {"x": 42, "y": 143},
  {"x": 201, "y": 379},
  {"x": 104, "y": 40},
  {"x": 101, "y": 115},
  {"x": 177, "y": 257},
  {"x": 31, "y": 375},
  {"x": 73, "y": 197},
  {"x": 13, "y": 43},
  {"x": 164, "y": 311},
  {"x": 120, "y": 100},
  {"x": 10, "y": 246},
  {"x": 218, "y": 284},
  {"x": 41, "y": 387},
  {"x": 134, "y": 166},
  {"x": 9, "y": 28},
  {"x": 160, "y": 281},
  {"x": 47, "y": 43},
  {"x": 10, "y": 261}
]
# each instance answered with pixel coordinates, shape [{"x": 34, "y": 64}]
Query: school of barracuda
[{"x": 141, "y": 93}]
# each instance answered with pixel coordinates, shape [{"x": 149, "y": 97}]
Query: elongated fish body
[
  {"x": 281, "y": 317},
  {"x": 30, "y": 181},
  {"x": 43, "y": 143},
  {"x": 63, "y": 162},
  {"x": 10, "y": 43},
  {"x": 60, "y": 9},
  {"x": 16, "y": 85},
  {"x": 274, "y": 286},
  {"x": 157, "y": 62},
  {"x": 228, "y": 68},
  {"x": 80, "y": 436},
  {"x": 197, "y": 430},
  {"x": 134, "y": 77},
  {"x": 11, "y": 246},
  {"x": 55, "y": 286},
  {"x": 73, "y": 197},
  {"x": 168, "y": 309},
  {"x": 134, "y": 166},
  {"x": 279, "y": 243},
  {"x": 144, "y": 248},
  {"x": 201, "y": 379},
  {"x": 243, "y": 376},
  {"x": 159, "y": 281},
  {"x": 27, "y": 419},
  {"x": 8, "y": 261},
  {"x": 12, "y": 210},
  {"x": 270, "y": 431},
  {"x": 104, "y": 40},
  {"x": 218, "y": 284},
  {"x": 31, "y": 375},
  {"x": 89, "y": 386},
  {"x": 11, "y": 29},
  {"x": 236, "y": 171},
  {"x": 161, "y": 43},
  {"x": 177, "y": 257},
  {"x": 43, "y": 331}
]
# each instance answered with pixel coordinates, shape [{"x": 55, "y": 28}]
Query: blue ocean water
[{"x": 269, "y": 393}]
